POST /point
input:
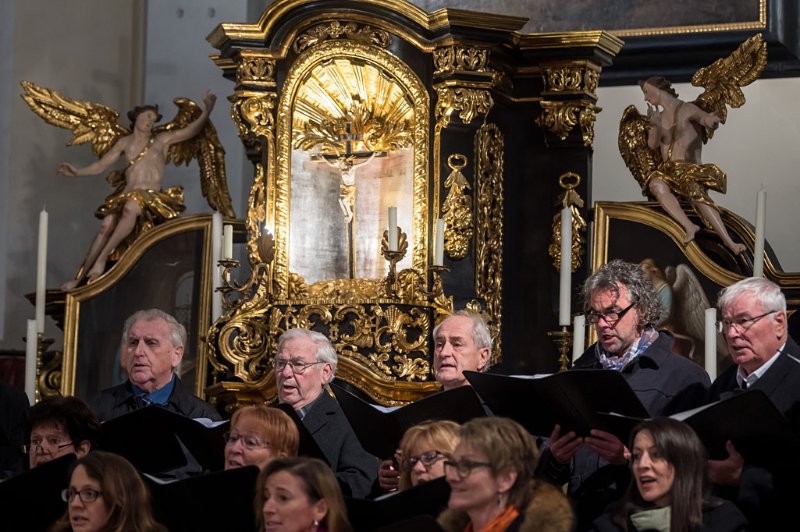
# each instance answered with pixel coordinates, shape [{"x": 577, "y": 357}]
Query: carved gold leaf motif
[
  {"x": 457, "y": 209},
  {"x": 336, "y": 29},
  {"x": 489, "y": 144}
]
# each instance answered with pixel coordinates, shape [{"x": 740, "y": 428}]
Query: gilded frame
[
  {"x": 278, "y": 212},
  {"x": 76, "y": 298}
]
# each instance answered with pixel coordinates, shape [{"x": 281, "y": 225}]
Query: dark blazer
[
  {"x": 117, "y": 400},
  {"x": 355, "y": 468},
  {"x": 768, "y": 498},
  {"x": 781, "y": 382}
]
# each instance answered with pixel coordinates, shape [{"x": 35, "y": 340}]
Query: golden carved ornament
[
  {"x": 335, "y": 30},
  {"x": 469, "y": 103},
  {"x": 460, "y": 59},
  {"x": 570, "y": 199},
  {"x": 457, "y": 209},
  {"x": 561, "y": 117},
  {"x": 489, "y": 145},
  {"x": 253, "y": 115},
  {"x": 571, "y": 79},
  {"x": 254, "y": 68}
]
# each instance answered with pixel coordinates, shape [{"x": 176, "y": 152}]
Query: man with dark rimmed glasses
[
  {"x": 305, "y": 362},
  {"x": 753, "y": 321},
  {"x": 623, "y": 307}
]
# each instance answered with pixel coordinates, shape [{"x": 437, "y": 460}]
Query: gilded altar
[{"x": 351, "y": 110}]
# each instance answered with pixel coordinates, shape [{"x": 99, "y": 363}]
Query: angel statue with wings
[
  {"x": 138, "y": 203},
  {"x": 662, "y": 150}
]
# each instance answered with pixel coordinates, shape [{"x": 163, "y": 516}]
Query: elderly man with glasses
[
  {"x": 623, "y": 307},
  {"x": 754, "y": 323},
  {"x": 305, "y": 362}
]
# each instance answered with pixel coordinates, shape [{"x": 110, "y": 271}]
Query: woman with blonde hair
[
  {"x": 299, "y": 495},
  {"x": 423, "y": 450},
  {"x": 492, "y": 487},
  {"x": 106, "y": 494},
  {"x": 259, "y": 434}
]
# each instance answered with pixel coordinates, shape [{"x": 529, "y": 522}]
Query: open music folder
[
  {"x": 380, "y": 429},
  {"x": 571, "y": 399},
  {"x": 153, "y": 439},
  {"x": 757, "y": 429}
]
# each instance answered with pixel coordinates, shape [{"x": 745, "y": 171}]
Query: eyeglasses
[
  {"x": 463, "y": 468},
  {"x": 250, "y": 443},
  {"x": 51, "y": 443},
  {"x": 611, "y": 317},
  {"x": 741, "y": 324},
  {"x": 86, "y": 495},
  {"x": 298, "y": 367},
  {"x": 427, "y": 459}
]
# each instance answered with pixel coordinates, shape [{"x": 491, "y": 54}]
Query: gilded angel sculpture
[
  {"x": 662, "y": 150},
  {"x": 138, "y": 202}
]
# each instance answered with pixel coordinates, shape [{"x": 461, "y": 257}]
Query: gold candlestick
[{"x": 563, "y": 341}]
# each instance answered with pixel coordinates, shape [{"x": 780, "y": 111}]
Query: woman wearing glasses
[
  {"x": 259, "y": 434},
  {"x": 299, "y": 495},
  {"x": 423, "y": 450},
  {"x": 669, "y": 490},
  {"x": 492, "y": 484},
  {"x": 106, "y": 494}
]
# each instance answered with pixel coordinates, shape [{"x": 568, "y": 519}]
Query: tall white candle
[
  {"x": 578, "y": 336},
  {"x": 31, "y": 339},
  {"x": 41, "y": 271},
  {"x": 761, "y": 222},
  {"x": 227, "y": 242},
  {"x": 711, "y": 342},
  {"x": 392, "y": 228},
  {"x": 438, "y": 247},
  {"x": 216, "y": 255},
  {"x": 565, "y": 289}
]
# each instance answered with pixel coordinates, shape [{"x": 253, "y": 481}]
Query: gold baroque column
[{"x": 489, "y": 228}]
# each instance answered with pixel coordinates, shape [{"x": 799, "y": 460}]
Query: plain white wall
[{"x": 757, "y": 146}]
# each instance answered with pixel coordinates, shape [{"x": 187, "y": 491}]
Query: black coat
[{"x": 355, "y": 468}]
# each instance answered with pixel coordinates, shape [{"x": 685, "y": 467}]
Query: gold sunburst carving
[{"x": 344, "y": 100}]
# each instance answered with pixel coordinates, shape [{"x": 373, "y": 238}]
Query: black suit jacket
[
  {"x": 768, "y": 498},
  {"x": 781, "y": 383},
  {"x": 117, "y": 400},
  {"x": 355, "y": 468}
]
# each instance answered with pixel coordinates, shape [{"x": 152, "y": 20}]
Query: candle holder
[
  {"x": 261, "y": 274},
  {"x": 42, "y": 345},
  {"x": 393, "y": 257},
  {"x": 563, "y": 341}
]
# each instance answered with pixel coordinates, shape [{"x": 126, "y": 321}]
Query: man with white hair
[
  {"x": 754, "y": 323},
  {"x": 462, "y": 342},
  {"x": 152, "y": 347},
  {"x": 305, "y": 362}
]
